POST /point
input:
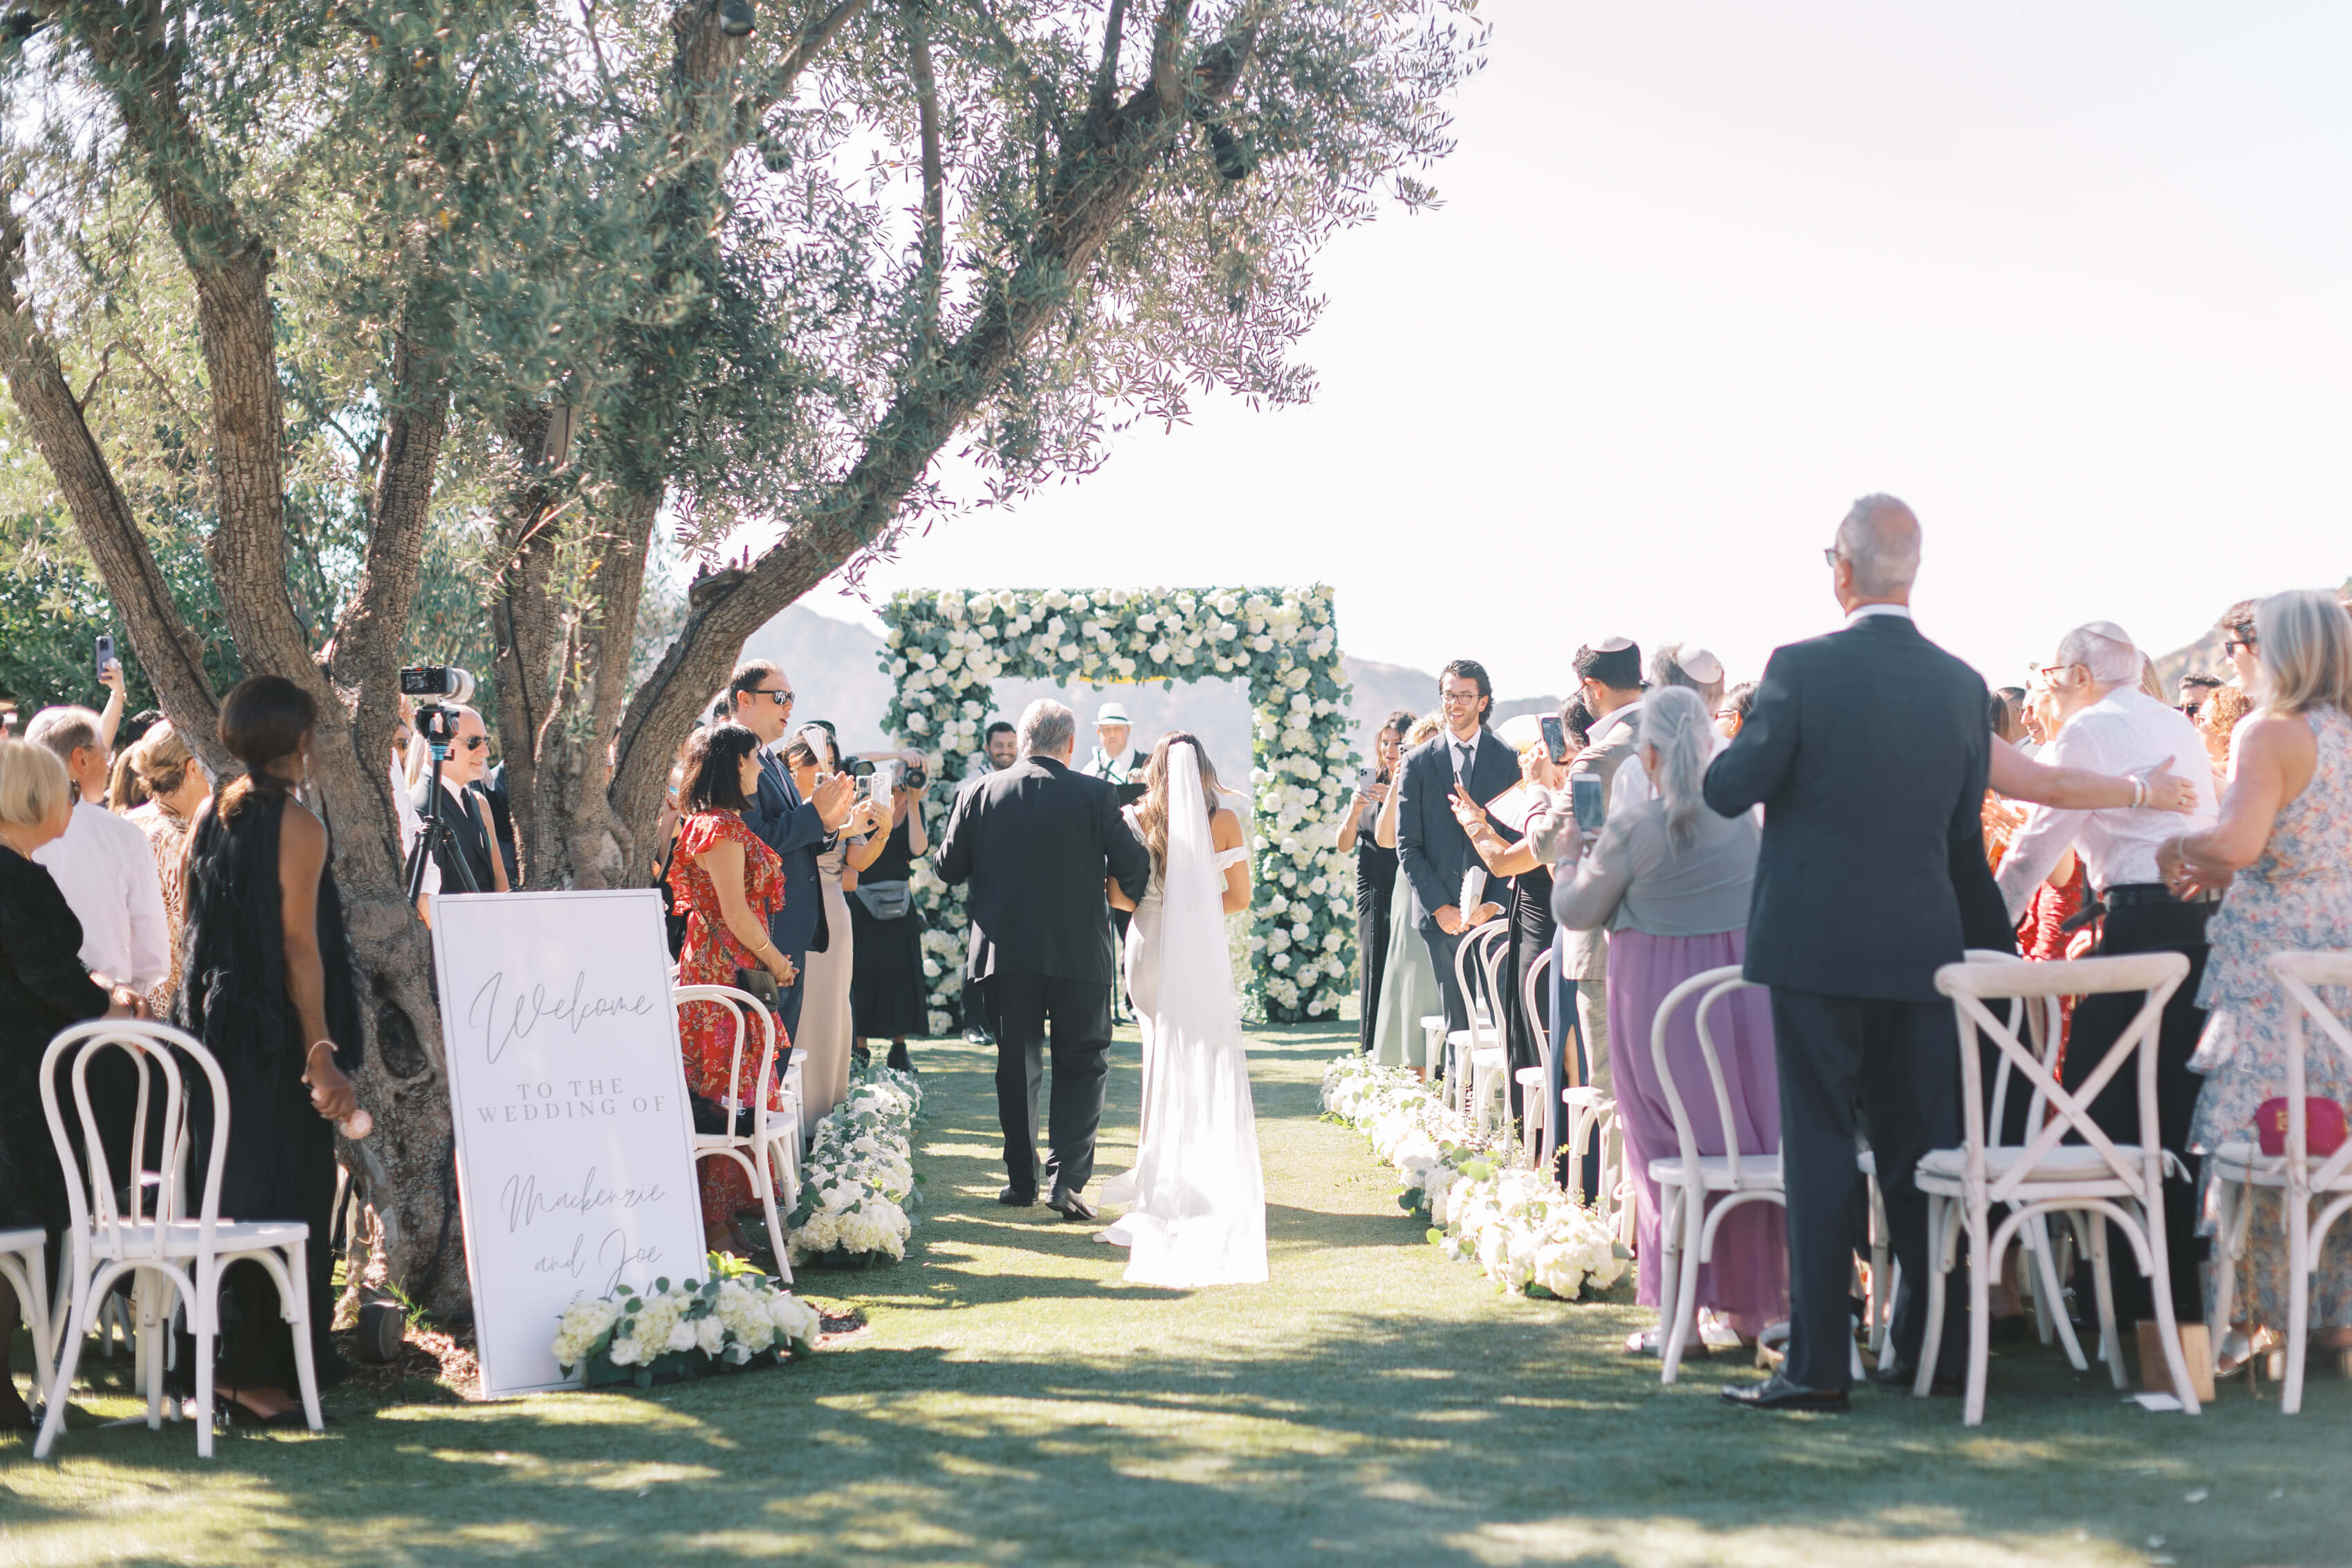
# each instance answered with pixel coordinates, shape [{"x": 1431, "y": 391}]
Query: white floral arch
[{"x": 943, "y": 648}]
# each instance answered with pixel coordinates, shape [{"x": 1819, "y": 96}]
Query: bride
[{"x": 1197, "y": 1196}]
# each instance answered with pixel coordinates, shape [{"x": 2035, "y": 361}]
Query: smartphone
[
  {"x": 878, "y": 783},
  {"x": 105, "y": 655},
  {"x": 1590, "y": 806},
  {"x": 1555, "y": 738},
  {"x": 1366, "y": 780}
]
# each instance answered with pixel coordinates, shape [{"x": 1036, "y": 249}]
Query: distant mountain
[{"x": 835, "y": 668}]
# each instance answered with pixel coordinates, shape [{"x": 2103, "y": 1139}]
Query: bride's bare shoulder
[{"x": 1225, "y": 828}]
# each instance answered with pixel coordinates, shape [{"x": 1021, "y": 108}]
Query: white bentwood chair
[
  {"x": 185, "y": 1255},
  {"x": 1696, "y": 1190},
  {"x": 2098, "y": 1179},
  {"x": 769, "y": 1154},
  {"x": 1480, "y": 1056},
  {"x": 1538, "y": 1139},
  {"x": 2239, "y": 1165},
  {"x": 24, "y": 1263}
]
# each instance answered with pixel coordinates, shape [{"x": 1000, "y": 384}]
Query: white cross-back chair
[
  {"x": 1696, "y": 1190},
  {"x": 169, "y": 1250},
  {"x": 1480, "y": 1054},
  {"x": 1538, "y": 1138},
  {"x": 2315, "y": 1193},
  {"x": 2096, "y": 1177},
  {"x": 769, "y": 1154}
]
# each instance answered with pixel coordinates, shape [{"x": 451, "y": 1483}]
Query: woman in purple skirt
[{"x": 1669, "y": 880}]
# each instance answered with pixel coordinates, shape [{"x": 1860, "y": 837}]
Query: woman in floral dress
[
  {"x": 727, "y": 884},
  {"x": 2283, "y": 848}
]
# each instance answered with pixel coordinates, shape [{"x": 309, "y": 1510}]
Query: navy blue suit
[
  {"x": 1433, "y": 852},
  {"x": 789, "y": 826}
]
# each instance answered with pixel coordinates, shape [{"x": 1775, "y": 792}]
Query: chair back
[
  {"x": 1971, "y": 986},
  {"x": 2042, "y": 1017},
  {"x": 1705, "y": 989},
  {"x": 2299, "y": 975},
  {"x": 1531, "y": 991},
  {"x": 1475, "y": 953},
  {"x": 738, "y": 1005},
  {"x": 154, "y": 1048}
]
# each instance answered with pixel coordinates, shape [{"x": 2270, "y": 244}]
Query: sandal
[{"x": 2237, "y": 1352}]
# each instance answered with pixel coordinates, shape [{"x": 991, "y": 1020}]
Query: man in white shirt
[
  {"x": 2109, "y": 726},
  {"x": 104, "y": 864}
]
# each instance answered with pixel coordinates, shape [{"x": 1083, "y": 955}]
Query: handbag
[
  {"x": 886, "y": 900},
  {"x": 2323, "y": 1126},
  {"x": 761, "y": 986}
]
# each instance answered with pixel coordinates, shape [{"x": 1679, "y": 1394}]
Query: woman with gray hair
[
  {"x": 1670, "y": 880},
  {"x": 2283, "y": 849}
]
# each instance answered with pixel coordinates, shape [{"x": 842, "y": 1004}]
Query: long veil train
[{"x": 1199, "y": 1211}]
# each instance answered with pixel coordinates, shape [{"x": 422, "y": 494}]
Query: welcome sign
[{"x": 574, "y": 1164}]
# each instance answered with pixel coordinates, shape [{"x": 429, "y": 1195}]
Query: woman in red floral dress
[{"x": 727, "y": 884}]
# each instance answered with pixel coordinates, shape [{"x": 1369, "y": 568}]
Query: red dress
[{"x": 710, "y": 958}]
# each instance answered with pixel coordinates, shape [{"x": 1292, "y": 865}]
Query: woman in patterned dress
[
  {"x": 2283, "y": 848},
  {"x": 175, "y": 787},
  {"x": 728, "y": 883}
]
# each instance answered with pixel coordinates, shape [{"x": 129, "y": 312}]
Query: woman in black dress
[
  {"x": 269, "y": 988},
  {"x": 43, "y": 988},
  {"x": 887, "y": 994},
  {"x": 1376, "y": 870}
]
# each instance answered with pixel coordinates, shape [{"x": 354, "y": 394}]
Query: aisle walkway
[{"x": 1015, "y": 1403}]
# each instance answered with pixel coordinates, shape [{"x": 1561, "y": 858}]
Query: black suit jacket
[
  {"x": 1035, "y": 841},
  {"x": 470, "y": 834},
  {"x": 1868, "y": 750},
  {"x": 789, "y": 826},
  {"x": 1433, "y": 852}
]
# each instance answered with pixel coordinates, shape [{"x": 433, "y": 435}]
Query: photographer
[{"x": 467, "y": 854}]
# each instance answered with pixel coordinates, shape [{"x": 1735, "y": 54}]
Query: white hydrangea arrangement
[
  {"x": 632, "y": 1335},
  {"x": 1528, "y": 1236},
  {"x": 858, "y": 1181},
  {"x": 943, "y": 649}
]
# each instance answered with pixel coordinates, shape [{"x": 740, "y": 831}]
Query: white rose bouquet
[
  {"x": 859, "y": 1180},
  {"x": 632, "y": 1335}
]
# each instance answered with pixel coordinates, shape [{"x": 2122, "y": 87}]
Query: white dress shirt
[
  {"x": 2126, "y": 731},
  {"x": 1460, "y": 755},
  {"x": 106, "y": 869}
]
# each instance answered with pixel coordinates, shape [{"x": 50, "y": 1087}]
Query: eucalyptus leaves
[
  {"x": 944, "y": 648},
  {"x": 634, "y": 1335},
  {"x": 859, "y": 1179}
]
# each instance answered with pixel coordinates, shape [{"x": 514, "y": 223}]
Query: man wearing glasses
[
  {"x": 469, "y": 839},
  {"x": 798, "y": 830}
]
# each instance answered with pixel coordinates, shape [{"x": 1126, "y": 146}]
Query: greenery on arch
[{"x": 943, "y": 649}]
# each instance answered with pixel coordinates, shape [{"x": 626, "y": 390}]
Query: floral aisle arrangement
[
  {"x": 1517, "y": 1225},
  {"x": 859, "y": 1180},
  {"x": 739, "y": 1315},
  {"x": 943, "y": 650}
]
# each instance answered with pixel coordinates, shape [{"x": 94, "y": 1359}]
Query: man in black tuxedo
[
  {"x": 1037, "y": 841},
  {"x": 1432, "y": 849},
  {"x": 468, "y": 842},
  {"x": 761, "y": 700},
  {"x": 1868, "y": 750}
]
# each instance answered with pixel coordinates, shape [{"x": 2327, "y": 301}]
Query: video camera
[{"x": 435, "y": 686}]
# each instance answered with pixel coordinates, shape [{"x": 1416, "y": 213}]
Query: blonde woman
[
  {"x": 1409, "y": 987},
  {"x": 2283, "y": 848},
  {"x": 43, "y": 988}
]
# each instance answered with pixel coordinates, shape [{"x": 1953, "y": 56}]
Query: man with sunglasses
[
  {"x": 469, "y": 839},
  {"x": 798, "y": 829}
]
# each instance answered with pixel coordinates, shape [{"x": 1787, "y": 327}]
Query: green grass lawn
[{"x": 1014, "y": 1402}]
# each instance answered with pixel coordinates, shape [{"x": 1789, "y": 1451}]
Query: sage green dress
[{"x": 1408, "y": 987}]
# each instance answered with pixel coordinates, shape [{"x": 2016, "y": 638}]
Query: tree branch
[
  {"x": 935, "y": 220},
  {"x": 1098, "y": 102}
]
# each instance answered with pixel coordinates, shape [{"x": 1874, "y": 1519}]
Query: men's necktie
[{"x": 1462, "y": 750}]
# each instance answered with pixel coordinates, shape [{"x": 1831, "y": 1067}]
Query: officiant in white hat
[{"x": 1113, "y": 760}]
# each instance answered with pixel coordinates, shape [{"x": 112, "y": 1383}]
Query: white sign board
[{"x": 566, "y": 1085}]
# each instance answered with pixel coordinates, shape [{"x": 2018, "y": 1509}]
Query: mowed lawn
[{"x": 1013, "y": 1402}]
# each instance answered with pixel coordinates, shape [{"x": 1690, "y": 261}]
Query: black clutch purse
[{"x": 761, "y": 985}]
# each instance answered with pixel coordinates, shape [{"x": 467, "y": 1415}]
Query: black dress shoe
[
  {"x": 976, "y": 1035},
  {"x": 1776, "y": 1393},
  {"x": 900, "y": 1061},
  {"x": 1071, "y": 1207},
  {"x": 1898, "y": 1379},
  {"x": 1018, "y": 1196}
]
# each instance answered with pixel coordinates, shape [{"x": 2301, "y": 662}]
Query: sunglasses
[
  {"x": 2234, "y": 643},
  {"x": 780, "y": 696},
  {"x": 476, "y": 743}
]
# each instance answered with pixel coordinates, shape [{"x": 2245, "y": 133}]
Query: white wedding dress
[{"x": 1197, "y": 1196}]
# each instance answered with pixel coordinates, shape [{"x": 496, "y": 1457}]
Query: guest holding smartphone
[{"x": 1376, "y": 869}]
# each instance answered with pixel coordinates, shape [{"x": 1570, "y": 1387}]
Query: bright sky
[{"x": 2075, "y": 279}]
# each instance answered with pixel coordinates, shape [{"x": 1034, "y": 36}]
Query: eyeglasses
[
  {"x": 2046, "y": 671},
  {"x": 477, "y": 743},
  {"x": 2234, "y": 643},
  {"x": 781, "y": 695},
  {"x": 1457, "y": 699},
  {"x": 1831, "y": 556}
]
